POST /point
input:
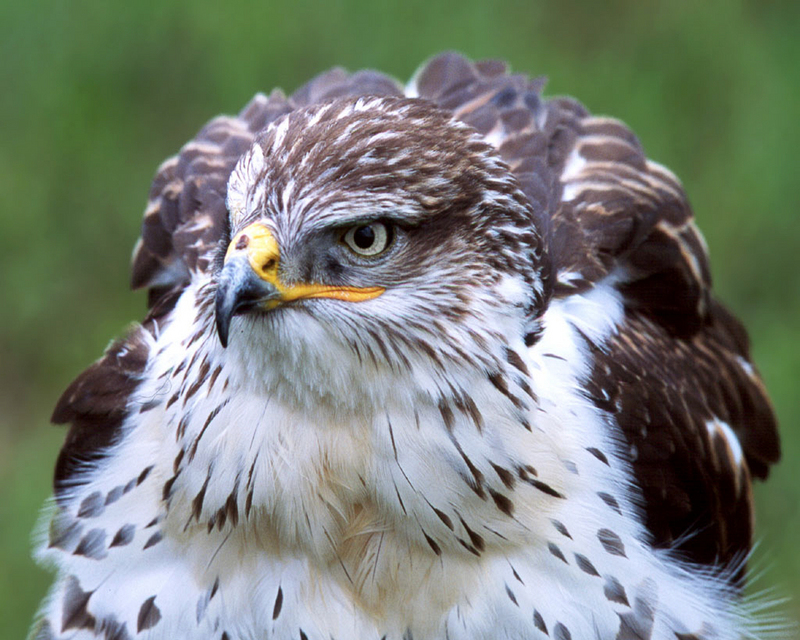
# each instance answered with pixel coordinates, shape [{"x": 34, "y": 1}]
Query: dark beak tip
[
  {"x": 222, "y": 332},
  {"x": 224, "y": 309},
  {"x": 223, "y": 322},
  {"x": 239, "y": 290}
]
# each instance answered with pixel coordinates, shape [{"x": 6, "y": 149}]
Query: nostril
[
  {"x": 242, "y": 242},
  {"x": 268, "y": 265}
]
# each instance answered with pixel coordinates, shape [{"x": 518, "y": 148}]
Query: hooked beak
[
  {"x": 239, "y": 290},
  {"x": 249, "y": 280}
]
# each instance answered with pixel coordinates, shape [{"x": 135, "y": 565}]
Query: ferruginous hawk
[{"x": 434, "y": 362}]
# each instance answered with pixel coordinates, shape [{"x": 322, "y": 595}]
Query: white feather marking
[
  {"x": 411, "y": 90},
  {"x": 598, "y": 312},
  {"x": 721, "y": 429},
  {"x": 201, "y": 147},
  {"x": 242, "y": 199},
  {"x": 280, "y": 133},
  {"x": 746, "y": 367},
  {"x": 314, "y": 119},
  {"x": 496, "y": 136},
  {"x": 574, "y": 166}
]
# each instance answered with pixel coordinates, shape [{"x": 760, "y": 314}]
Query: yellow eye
[{"x": 368, "y": 239}]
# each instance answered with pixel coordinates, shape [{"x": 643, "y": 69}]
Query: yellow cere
[{"x": 263, "y": 254}]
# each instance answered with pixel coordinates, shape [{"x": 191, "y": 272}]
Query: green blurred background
[{"x": 93, "y": 96}]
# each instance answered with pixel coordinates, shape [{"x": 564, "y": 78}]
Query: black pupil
[{"x": 364, "y": 237}]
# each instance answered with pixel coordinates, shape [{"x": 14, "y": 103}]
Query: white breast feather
[{"x": 341, "y": 507}]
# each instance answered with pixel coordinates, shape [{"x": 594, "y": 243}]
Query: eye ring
[{"x": 369, "y": 239}]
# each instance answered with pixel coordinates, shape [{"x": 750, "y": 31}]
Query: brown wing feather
[
  {"x": 96, "y": 403},
  {"x": 602, "y": 204},
  {"x": 680, "y": 360},
  {"x": 669, "y": 396}
]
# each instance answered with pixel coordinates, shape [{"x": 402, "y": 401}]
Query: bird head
[{"x": 377, "y": 231}]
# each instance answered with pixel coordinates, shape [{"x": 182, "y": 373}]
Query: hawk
[{"x": 439, "y": 362}]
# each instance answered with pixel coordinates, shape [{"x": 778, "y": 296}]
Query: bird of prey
[{"x": 439, "y": 361}]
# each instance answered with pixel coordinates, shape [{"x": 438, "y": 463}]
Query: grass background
[{"x": 96, "y": 94}]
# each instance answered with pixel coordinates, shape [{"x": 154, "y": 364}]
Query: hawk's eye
[{"x": 368, "y": 239}]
